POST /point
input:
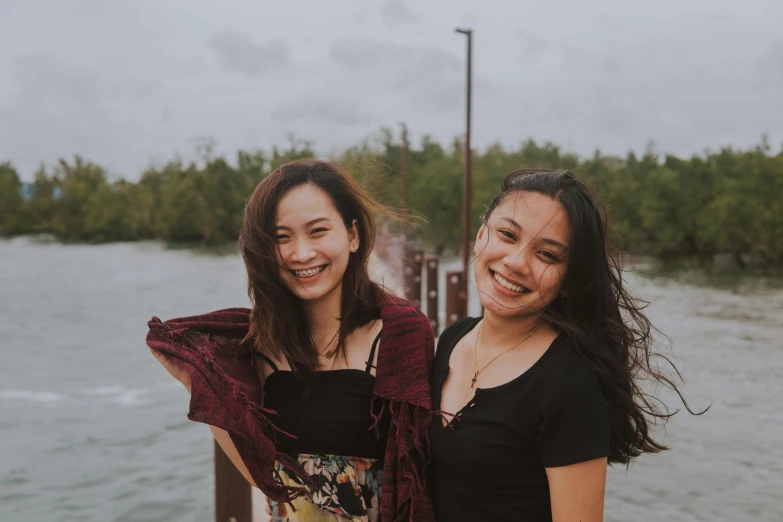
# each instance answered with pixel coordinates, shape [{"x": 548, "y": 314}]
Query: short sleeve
[{"x": 574, "y": 416}]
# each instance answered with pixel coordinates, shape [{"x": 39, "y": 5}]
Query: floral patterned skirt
[{"x": 346, "y": 488}]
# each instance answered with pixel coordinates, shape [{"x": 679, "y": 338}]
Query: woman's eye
[
  {"x": 548, "y": 255},
  {"x": 507, "y": 233},
  {"x": 318, "y": 231},
  {"x": 281, "y": 237}
]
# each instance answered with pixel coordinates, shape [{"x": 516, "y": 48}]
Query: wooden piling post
[
  {"x": 431, "y": 263},
  {"x": 456, "y": 296},
  {"x": 414, "y": 258},
  {"x": 233, "y": 501}
]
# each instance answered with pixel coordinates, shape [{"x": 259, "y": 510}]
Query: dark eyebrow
[
  {"x": 555, "y": 243},
  {"x": 513, "y": 223},
  {"x": 545, "y": 240},
  {"x": 308, "y": 224}
]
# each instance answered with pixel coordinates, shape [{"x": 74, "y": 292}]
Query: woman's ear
[
  {"x": 481, "y": 231},
  {"x": 353, "y": 232}
]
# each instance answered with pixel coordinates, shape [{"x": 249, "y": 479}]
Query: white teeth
[
  {"x": 506, "y": 284},
  {"x": 308, "y": 273}
]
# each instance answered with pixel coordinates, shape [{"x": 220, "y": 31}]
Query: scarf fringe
[
  {"x": 265, "y": 475},
  {"x": 410, "y": 425},
  {"x": 376, "y": 417}
]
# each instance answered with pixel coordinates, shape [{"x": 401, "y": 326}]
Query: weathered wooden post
[
  {"x": 456, "y": 296},
  {"x": 412, "y": 275},
  {"x": 232, "y": 492},
  {"x": 431, "y": 263}
]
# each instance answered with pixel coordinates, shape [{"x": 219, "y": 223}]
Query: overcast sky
[{"x": 131, "y": 83}]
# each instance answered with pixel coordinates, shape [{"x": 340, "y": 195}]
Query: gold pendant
[{"x": 473, "y": 381}]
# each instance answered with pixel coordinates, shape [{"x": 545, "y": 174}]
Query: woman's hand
[{"x": 174, "y": 368}]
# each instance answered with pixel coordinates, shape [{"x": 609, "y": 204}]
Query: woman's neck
[
  {"x": 499, "y": 332},
  {"x": 323, "y": 318}
]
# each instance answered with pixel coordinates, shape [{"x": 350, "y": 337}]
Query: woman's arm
[
  {"x": 221, "y": 436},
  {"x": 577, "y": 491},
  {"x": 224, "y": 441}
]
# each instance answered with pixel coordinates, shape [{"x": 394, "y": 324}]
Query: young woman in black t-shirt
[{"x": 539, "y": 394}]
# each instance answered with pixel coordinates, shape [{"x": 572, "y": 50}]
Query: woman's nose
[
  {"x": 303, "y": 252},
  {"x": 518, "y": 261}
]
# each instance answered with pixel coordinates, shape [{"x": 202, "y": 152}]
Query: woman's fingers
[{"x": 174, "y": 368}]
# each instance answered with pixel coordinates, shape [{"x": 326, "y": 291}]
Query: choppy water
[{"x": 92, "y": 429}]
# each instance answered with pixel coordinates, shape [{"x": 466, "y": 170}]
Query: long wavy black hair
[{"x": 606, "y": 324}]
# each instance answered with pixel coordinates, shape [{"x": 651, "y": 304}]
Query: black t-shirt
[{"x": 489, "y": 465}]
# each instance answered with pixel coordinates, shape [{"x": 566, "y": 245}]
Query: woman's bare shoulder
[{"x": 266, "y": 361}]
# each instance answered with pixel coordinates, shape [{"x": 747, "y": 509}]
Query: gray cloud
[
  {"x": 42, "y": 76},
  {"x": 534, "y": 45},
  {"x": 432, "y": 80},
  {"x": 611, "y": 67},
  {"x": 47, "y": 86},
  {"x": 539, "y": 48},
  {"x": 57, "y": 109},
  {"x": 606, "y": 115},
  {"x": 428, "y": 75},
  {"x": 429, "y": 62},
  {"x": 769, "y": 67},
  {"x": 395, "y": 13},
  {"x": 358, "y": 53},
  {"x": 332, "y": 111},
  {"x": 439, "y": 99},
  {"x": 239, "y": 53},
  {"x": 136, "y": 90},
  {"x": 608, "y": 75}
]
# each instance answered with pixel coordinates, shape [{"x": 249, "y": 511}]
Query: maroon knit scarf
[{"x": 226, "y": 393}]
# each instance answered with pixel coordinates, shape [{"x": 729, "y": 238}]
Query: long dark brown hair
[
  {"x": 278, "y": 324},
  {"x": 606, "y": 324}
]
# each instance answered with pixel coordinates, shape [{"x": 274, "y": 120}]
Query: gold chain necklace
[{"x": 475, "y": 355}]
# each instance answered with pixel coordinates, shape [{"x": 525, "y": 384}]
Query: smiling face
[
  {"x": 313, "y": 243},
  {"x": 521, "y": 254}
]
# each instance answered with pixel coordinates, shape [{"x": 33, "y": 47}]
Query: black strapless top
[{"x": 330, "y": 416}]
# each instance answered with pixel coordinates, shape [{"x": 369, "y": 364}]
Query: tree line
[{"x": 727, "y": 202}]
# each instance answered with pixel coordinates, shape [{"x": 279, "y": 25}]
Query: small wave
[
  {"x": 31, "y": 396},
  {"x": 169, "y": 385},
  {"x": 103, "y": 391},
  {"x": 115, "y": 394},
  {"x": 131, "y": 398},
  {"x": 119, "y": 394}
]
